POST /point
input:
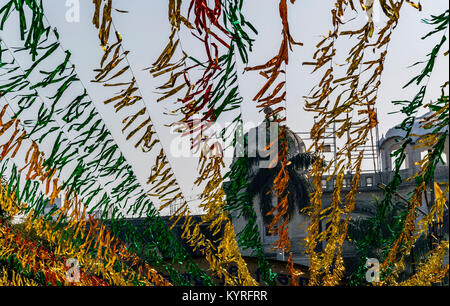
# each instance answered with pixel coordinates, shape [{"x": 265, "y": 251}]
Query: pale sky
[{"x": 145, "y": 30}]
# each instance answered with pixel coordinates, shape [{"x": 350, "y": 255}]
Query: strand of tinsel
[
  {"x": 238, "y": 198},
  {"x": 327, "y": 55},
  {"x": 406, "y": 239},
  {"x": 226, "y": 251},
  {"x": 75, "y": 223},
  {"x": 350, "y": 95},
  {"x": 272, "y": 70},
  {"x": 403, "y": 240},
  {"x": 431, "y": 271},
  {"x": 9, "y": 277},
  {"x": 159, "y": 224},
  {"x": 163, "y": 65}
]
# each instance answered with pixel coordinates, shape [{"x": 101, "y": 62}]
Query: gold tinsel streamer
[
  {"x": 432, "y": 270},
  {"x": 162, "y": 179},
  {"x": 412, "y": 232},
  {"x": 109, "y": 249},
  {"x": 272, "y": 71},
  {"x": 326, "y": 268},
  {"x": 16, "y": 279}
]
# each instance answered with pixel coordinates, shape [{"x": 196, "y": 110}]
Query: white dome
[{"x": 396, "y": 132}]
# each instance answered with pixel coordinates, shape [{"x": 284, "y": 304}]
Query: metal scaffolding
[{"x": 371, "y": 153}]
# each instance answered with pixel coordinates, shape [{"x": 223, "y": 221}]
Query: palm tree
[
  {"x": 298, "y": 187},
  {"x": 260, "y": 180}
]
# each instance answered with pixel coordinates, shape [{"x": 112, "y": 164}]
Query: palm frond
[{"x": 298, "y": 187}]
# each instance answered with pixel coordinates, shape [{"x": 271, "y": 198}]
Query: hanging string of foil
[
  {"x": 348, "y": 101},
  {"x": 436, "y": 123},
  {"x": 193, "y": 236},
  {"x": 109, "y": 160},
  {"x": 274, "y": 70}
]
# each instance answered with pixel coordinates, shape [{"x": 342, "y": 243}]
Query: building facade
[{"x": 371, "y": 186}]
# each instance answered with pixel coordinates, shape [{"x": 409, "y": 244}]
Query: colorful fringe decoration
[{"x": 63, "y": 153}]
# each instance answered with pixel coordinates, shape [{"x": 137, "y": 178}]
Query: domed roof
[
  {"x": 397, "y": 132},
  {"x": 295, "y": 143}
]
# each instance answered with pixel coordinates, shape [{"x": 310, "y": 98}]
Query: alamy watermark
[
  {"x": 373, "y": 270},
  {"x": 73, "y": 270},
  {"x": 197, "y": 136},
  {"x": 373, "y": 12},
  {"x": 73, "y": 11}
]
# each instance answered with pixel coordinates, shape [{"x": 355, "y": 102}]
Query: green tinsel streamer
[
  {"x": 240, "y": 201},
  {"x": 111, "y": 166},
  {"x": 374, "y": 238}
]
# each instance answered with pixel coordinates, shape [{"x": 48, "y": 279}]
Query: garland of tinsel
[
  {"x": 240, "y": 201},
  {"x": 351, "y": 94},
  {"x": 405, "y": 234},
  {"x": 109, "y": 150},
  {"x": 272, "y": 71},
  {"x": 160, "y": 173},
  {"x": 234, "y": 21}
]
